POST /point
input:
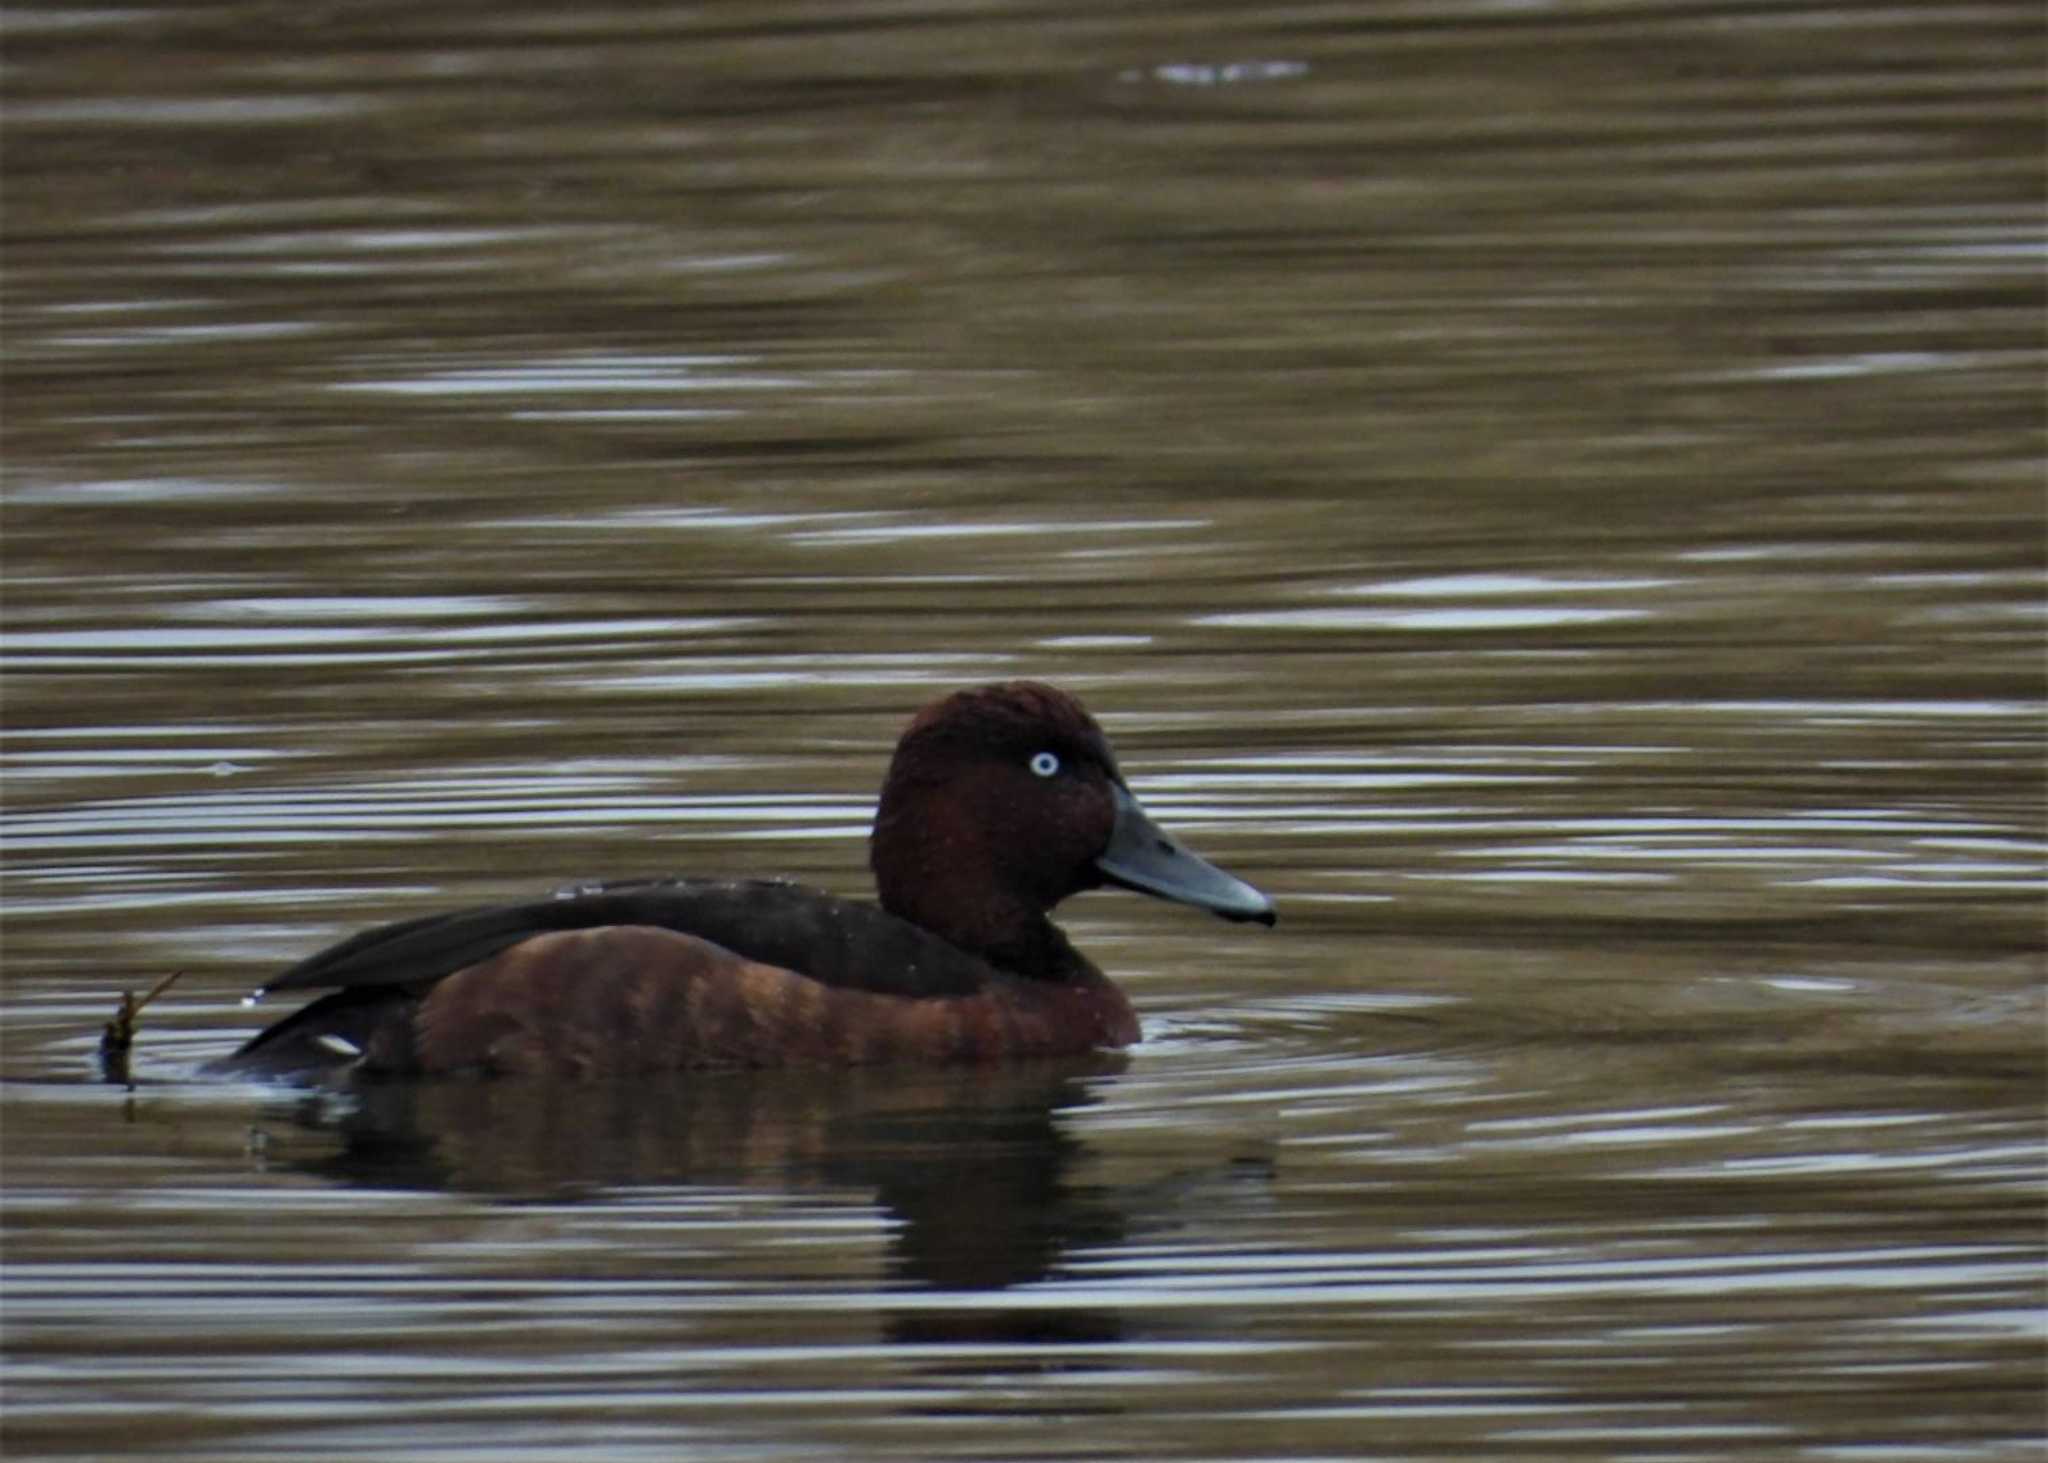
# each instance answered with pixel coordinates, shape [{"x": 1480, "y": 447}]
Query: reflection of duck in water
[
  {"x": 999, "y": 803},
  {"x": 949, "y": 1180},
  {"x": 973, "y": 1163}
]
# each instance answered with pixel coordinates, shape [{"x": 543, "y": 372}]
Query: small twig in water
[{"x": 119, "y": 1033}]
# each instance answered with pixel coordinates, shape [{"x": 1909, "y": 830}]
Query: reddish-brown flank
[{"x": 631, "y": 998}]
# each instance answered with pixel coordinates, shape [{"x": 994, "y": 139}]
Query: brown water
[{"x": 1551, "y": 492}]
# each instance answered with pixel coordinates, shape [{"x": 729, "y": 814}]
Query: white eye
[{"x": 1045, "y": 764}]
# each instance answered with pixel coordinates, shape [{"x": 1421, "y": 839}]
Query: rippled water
[{"x": 1550, "y": 492}]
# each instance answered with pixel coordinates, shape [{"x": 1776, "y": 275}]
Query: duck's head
[{"x": 1003, "y": 800}]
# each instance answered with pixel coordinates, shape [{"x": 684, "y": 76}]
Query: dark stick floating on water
[
  {"x": 1000, "y": 802},
  {"x": 117, "y": 1037}
]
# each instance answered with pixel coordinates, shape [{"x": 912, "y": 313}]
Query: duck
[{"x": 1000, "y": 802}]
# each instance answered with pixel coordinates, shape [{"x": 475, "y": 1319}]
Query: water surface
[{"x": 1550, "y": 492}]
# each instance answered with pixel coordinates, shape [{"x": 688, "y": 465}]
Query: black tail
[{"x": 368, "y": 1024}]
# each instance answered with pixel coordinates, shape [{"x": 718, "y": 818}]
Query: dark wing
[{"x": 840, "y": 942}]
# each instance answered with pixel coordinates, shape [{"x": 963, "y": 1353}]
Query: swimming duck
[{"x": 1000, "y": 802}]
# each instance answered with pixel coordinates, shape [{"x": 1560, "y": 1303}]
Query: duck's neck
[
  {"x": 949, "y": 889},
  {"x": 1040, "y": 951},
  {"x": 1011, "y": 934}
]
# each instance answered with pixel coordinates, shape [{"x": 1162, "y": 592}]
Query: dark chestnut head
[{"x": 1003, "y": 800}]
